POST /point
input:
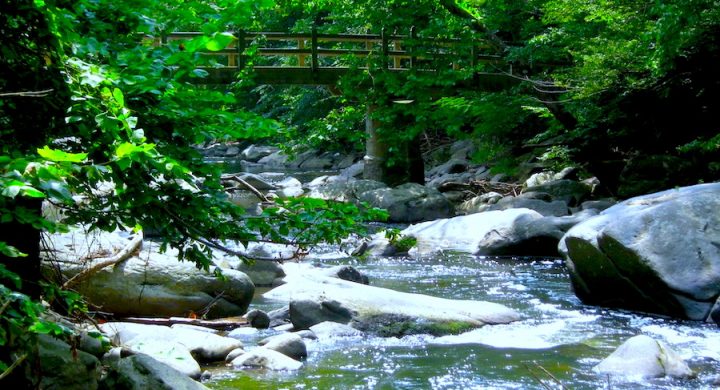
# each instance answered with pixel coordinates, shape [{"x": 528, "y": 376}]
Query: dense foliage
[
  {"x": 617, "y": 87},
  {"x": 101, "y": 122}
]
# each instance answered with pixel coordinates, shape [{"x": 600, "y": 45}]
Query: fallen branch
[
  {"x": 134, "y": 245},
  {"x": 250, "y": 187},
  {"x": 42, "y": 93},
  {"x": 12, "y": 367},
  {"x": 212, "y": 324}
]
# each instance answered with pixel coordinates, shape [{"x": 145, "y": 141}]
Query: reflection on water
[{"x": 559, "y": 340}]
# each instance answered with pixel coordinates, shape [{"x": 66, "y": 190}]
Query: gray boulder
[
  {"x": 642, "y": 356},
  {"x": 288, "y": 344},
  {"x": 409, "y": 202},
  {"x": 659, "y": 253},
  {"x": 147, "y": 284},
  {"x": 305, "y": 313},
  {"x": 140, "y": 372},
  {"x": 61, "y": 367}
]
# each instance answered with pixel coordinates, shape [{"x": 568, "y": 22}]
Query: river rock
[
  {"x": 266, "y": 358},
  {"x": 409, "y": 202},
  {"x": 659, "y": 253},
  {"x": 347, "y": 272},
  {"x": 642, "y": 356},
  {"x": 258, "y": 319},
  {"x": 276, "y": 159},
  {"x": 255, "y": 153},
  {"x": 149, "y": 283},
  {"x": 233, "y": 354},
  {"x": 61, "y": 367},
  {"x": 262, "y": 273},
  {"x": 206, "y": 347},
  {"x": 288, "y": 344},
  {"x": 140, "y": 372},
  {"x": 388, "y": 312}
]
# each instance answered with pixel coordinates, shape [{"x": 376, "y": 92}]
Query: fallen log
[{"x": 219, "y": 324}]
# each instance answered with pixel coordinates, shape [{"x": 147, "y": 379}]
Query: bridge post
[
  {"x": 376, "y": 151},
  {"x": 240, "y": 49},
  {"x": 314, "y": 49},
  {"x": 413, "y": 38},
  {"x": 385, "y": 48}
]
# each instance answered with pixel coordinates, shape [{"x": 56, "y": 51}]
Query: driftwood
[
  {"x": 221, "y": 324},
  {"x": 98, "y": 264},
  {"x": 477, "y": 187}
]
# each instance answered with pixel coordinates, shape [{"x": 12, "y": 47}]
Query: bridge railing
[{"x": 316, "y": 50}]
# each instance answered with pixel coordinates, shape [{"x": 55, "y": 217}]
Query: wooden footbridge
[{"x": 322, "y": 59}]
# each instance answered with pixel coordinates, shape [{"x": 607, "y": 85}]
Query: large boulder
[
  {"x": 140, "y": 372},
  {"x": 148, "y": 283},
  {"x": 657, "y": 253},
  {"x": 387, "y": 312},
  {"x": 515, "y": 232},
  {"x": 62, "y": 367},
  {"x": 642, "y": 356},
  {"x": 341, "y": 188},
  {"x": 409, "y": 202},
  {"x": 557, "y": 208}
]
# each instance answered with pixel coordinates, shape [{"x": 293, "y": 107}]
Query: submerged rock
[
  {"x": 642, "y": 356},
  {"x": 659, "y": 253},
  {"x": 391, "y": 313},
  {"x": 266, "y": 358}
]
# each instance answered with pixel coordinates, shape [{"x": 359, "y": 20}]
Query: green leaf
[
  {"x": 125, "y": 149},
  {"x": 60, "y": 156},
  {"x": 118, "y": 96},
  {"x": 219, "y": 41}
]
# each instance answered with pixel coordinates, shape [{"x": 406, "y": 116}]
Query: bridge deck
[{"x": 322, "y": 59}]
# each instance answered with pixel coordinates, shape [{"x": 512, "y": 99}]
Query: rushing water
[{"x": 558, "y": 342}]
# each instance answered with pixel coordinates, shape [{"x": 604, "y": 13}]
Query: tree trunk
[{"x": 376, "y": 151}]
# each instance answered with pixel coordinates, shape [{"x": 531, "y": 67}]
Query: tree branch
[{"x": 122, "y": 255}]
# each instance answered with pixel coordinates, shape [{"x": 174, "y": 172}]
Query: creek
[{"x": 558, "y": 341}]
